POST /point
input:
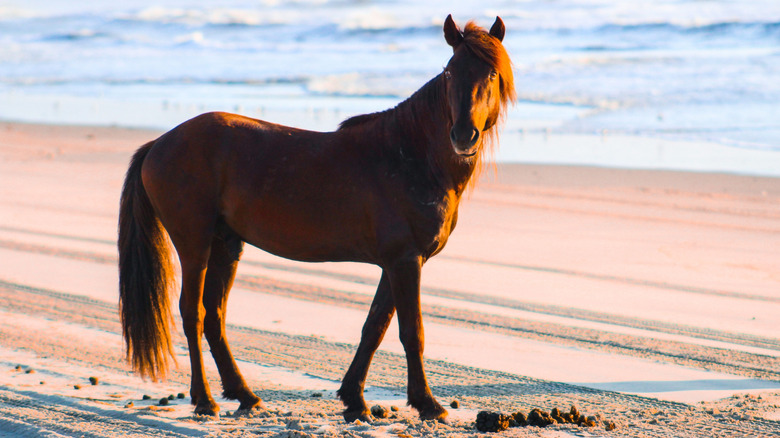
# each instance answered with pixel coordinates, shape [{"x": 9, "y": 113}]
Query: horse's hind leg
[
  {"x": 193, "y": 269},
  {"x": 183, "y": 192},
  {"x": 226, "y": 249},
  {"x": 379, "y": 317}
]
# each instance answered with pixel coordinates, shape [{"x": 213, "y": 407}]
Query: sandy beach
[{"x": 648, "y": 298}]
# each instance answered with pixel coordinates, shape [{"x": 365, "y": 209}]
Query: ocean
[{"x": 698, "y": 80}]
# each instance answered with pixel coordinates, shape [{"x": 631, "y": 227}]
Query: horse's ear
[
  {"x": 498, "y": 29},
  {"x": 451, "y": 32}
]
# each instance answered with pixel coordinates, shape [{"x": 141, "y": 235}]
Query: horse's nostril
[
  {"x": 474, "y": 136},
  {"x": 453, "y": 136}
]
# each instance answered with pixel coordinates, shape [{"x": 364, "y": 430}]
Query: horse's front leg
[
  {"x": 379, "y": 317},
  {"x": 405, "y": 285}
]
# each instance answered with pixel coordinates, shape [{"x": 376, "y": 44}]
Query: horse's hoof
[
  {"x": 250, "y": 412},
  {"x": 250, "y": 405},
  {"x": 437, "y": 413},
  {"x": 363, "y": 415},
  {"x": 208, "y": 409}
]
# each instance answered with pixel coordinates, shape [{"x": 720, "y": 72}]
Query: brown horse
[{"x": 383, "y": 189}]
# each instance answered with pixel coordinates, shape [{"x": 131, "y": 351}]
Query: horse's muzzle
[{"x": 465, "y": 143}]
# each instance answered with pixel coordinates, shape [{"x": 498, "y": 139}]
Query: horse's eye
[
  {"x": 493, "y": 74},
  {"x": 447, "y": 74}
]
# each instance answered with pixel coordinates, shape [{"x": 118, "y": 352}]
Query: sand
[{"x": 647, "y": 297}]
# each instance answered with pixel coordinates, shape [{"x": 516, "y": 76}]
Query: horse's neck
[{"x": 423, "y": 125}]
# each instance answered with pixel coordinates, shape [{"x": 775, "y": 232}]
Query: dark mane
[
  {"x": 490, "y": 50},
  {"x": 360, "y": 119},
  {"x": 427, "y": 93}
]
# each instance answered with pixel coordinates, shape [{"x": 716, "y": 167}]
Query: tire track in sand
[
  {"x": 476, "y": 388},
  {"x": 705, "y": 357}
]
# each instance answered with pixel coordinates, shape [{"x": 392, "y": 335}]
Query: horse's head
[{"x": 479, "y": 83}]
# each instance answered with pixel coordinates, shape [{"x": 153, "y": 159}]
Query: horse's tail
[{"x": 145, "y": 275}]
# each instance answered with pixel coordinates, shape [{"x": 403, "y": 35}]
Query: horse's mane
[
  {"x": 490, "y": 50},
  {"x": 360, "y": 120}
]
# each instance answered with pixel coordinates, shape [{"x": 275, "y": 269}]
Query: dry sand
[{"x": 672, "y": 271}]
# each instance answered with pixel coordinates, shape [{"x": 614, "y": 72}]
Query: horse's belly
[
  {"x": 304, "y": 248},
  {"x": 304, "y": 234}
]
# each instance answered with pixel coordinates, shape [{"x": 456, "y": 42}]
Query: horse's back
[
  {"x": 217, "y": 132},
  {"x": 213, "y": 147}
]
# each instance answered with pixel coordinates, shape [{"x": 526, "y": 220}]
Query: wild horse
[{"x": 383, "y": 189}]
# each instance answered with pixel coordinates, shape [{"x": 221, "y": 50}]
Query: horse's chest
[{"x": 432, "y": 229}]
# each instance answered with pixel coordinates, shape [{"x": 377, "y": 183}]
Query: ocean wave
[
  {"x": 769, "y": 145},
  {"x": 81, "y": 34},
  {"x": 194, "y": 38},
  {"x": 322, "y": 14},
  {"x": 714, "y": 28},
  {"x": 369, "y": 20},
  {"x": 365, "y": 85},
  {"x": 161, "y": 81},
  {"x": 375, "y": 19},
  {"x": 616, "y": 46},
  {"x": 204, "y": 17},
  {"x": 15, "y": 13}
]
